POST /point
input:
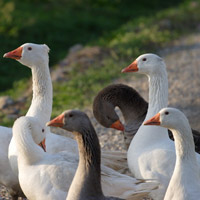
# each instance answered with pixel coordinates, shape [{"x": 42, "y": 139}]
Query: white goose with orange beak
[
  {"x": 7, "y": 177},
  {"x": 35, "y": 57},
  {"x": 185, "y": 180},
  {"x": 151, "y": 154}
]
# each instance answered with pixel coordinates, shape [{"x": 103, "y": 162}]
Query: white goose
[
  {"x": 185, "y": 181},
  {"x": 151, "y": 154},
  {"x": 41, "y": 175},
  {"x": 36, "y": 57}
]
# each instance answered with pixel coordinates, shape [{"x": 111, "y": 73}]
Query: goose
[
  {"x": 38, "y": 107},
  {"x": 36, "y": 57},
  {"x": 86, "y": 183},
  {"x": 185, "y": 180},
  {"x": 133, "y": 108},
  {"x": 49, "y": 176},
  {"x": 129, "y": 101},
  {"x": 8, "y": 172},
  {"x": 151, "y": 154},
  {"x": 41, "y": 175}
]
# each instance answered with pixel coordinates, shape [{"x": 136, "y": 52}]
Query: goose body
[
  {"x": 185, "y": 180},
  {"x": 151, "y": 153},
  {"x": 36, "y": 57}
]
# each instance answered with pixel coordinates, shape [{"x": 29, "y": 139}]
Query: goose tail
[{"x": 124, "y": 186}]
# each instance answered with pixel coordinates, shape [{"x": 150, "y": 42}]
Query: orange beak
[
  {"x": 57, "y": 122},
  {"x": 43, "y": 145},
  {"x": 117, "y": 125},
  {"x": 131, "y": 68},
  {"x": 15, "y": 54},
  {"x": 154, "y": 120}
]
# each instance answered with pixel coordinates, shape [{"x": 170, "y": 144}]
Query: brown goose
[
  {"x": 129, "y": 101},
  {"x": 86, "y": 184},
  {"x": 133, "y": 107}
]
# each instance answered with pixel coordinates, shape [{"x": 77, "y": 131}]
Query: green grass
[
  {"x": 136, "y": 36},
  {"x": 61, "y": 24}
]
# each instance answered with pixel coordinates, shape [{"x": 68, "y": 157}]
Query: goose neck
[
  {"x": 186, "y": 168},
  {"x": 28, "y": 151},
  {"x": 132, "y": 109},
  {"x": 131, "y": 104},
  {"x": 158, "y": 94},
  {"x": 89, "y": 161},
  {"x": 184, "y": 143},
  {"x": 41, "y": 105},
  {"x": 158, "y": 99}
]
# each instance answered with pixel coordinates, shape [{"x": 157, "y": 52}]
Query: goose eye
[
  {"x": 43, "y": 130},
  {"x": 70, "y": 115},
  {"x": 108, "y": 117},
  {"x": 29, "y": 48},
  {"x": 166, "y": 113},
  {"x": 144, "y": 59}
]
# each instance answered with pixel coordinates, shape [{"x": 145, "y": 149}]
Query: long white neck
[
  {"x": 184, "y": 143},
  {"x": 41, "y": 105},
  {"x": 28, "y": 151},
  {"x": 158, "y": 99},
  {"x": 158, "y": 93},
  {"x": 186, "y": 169}
]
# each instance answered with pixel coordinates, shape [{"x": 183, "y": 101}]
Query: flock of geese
[{"x": 40, "y": 165}]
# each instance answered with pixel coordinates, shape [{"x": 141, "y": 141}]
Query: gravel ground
[{"x": 183, "y": 65}]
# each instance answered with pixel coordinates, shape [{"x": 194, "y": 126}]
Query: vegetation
[
  {"x": 61, "y": 24},
  {"x": 126, "y": 34}
]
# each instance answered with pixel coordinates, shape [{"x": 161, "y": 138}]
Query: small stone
[
  {"x": 12, "y": 116},
  {"x": 5, "y": 101},
  {"x": 75, "y": 48}
]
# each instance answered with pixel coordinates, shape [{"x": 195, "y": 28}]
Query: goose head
[
  {"x": 146, "y": 64},
  {"x": 26, "y": 124},
  {"x": 71, "y": 120},
  {"x": 30, "y": 54},
  {"x": 170, "y": 118},
  {"x": 74, "y": 121},
  {"x": 107, "y": 116}
]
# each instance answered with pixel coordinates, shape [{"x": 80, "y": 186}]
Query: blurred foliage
[{"x": 61, "y": 24}]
